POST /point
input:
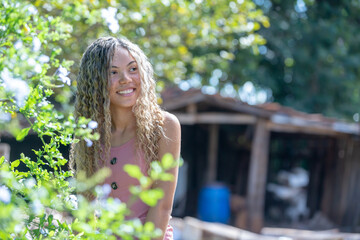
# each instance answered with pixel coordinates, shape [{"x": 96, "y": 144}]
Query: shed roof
[
  {"x": 174, "y": 99},
  {"x": 194, "y": 106}
]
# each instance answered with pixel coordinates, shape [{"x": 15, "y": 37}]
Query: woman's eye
[
  {"x": 133, "y": 69},
  {"x": 113, "y": 72}
]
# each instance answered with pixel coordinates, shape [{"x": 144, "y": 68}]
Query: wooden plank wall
[
  {"x": 341, "y": 198},
  {"x": 351, "y": 214}
]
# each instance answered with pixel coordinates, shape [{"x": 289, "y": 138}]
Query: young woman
[{"x": 116, "y": 88}]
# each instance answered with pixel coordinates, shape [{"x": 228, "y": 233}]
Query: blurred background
[{"x": 267, "y": 92}]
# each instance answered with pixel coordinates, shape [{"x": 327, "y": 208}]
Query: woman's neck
[
  {"x": 123, "y": 120},
  {"x": 123, "y": 127}
]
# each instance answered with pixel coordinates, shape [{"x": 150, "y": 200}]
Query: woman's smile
[{"x": 127, "y": 92}]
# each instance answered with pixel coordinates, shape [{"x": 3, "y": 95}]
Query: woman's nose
[{"x": 125, "y": 78}]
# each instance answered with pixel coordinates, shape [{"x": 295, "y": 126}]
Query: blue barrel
[{"x": 214, "y": 203}]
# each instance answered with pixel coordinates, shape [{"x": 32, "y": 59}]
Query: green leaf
[
  {"x": 156, "y": 167},
  {"x": 24, "y": 132},
  {"x": 149, "y": 227},
  {"x": 145, "y": 181},
  {"x": 166, "y": 177},
  {"x": 135, "y": 190},
  {"x": 50, "y": 219},
  {"x": 15, "y": 163},
  {"x": 2, "y": 159},
  {"x": 133, "y": 171},
  {"x": 151, "y": 196},
  {"x": 167, "y": 161},
  {"x": 51, "y": 233},
  {"x": 156, "y": 170}
]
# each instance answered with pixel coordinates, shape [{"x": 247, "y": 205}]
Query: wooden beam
[
  {"x": 318, "y": 130},
  {"x": 192, "y": 117},
  {"x": 298, "y": 234},
  {"x": 180, "y": 102},
  {"x": 214, "y": 118},
  {"x": 213, "y": 152},
  {"x": 195, "y": 229},
  {"x": 237, "y": 106},
  {"x": 257, "y": 176}
]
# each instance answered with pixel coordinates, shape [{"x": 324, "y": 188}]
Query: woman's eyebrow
[
  {"x": 131, "y": 62},
  {"x": 126, "y": 65}
]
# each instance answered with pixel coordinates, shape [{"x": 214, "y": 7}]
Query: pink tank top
[{"x": 120, "y": 181}]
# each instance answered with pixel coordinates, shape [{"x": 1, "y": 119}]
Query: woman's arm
[{"x": 160, "y": 214}]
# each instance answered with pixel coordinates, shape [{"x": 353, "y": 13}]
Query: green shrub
[{"x": 42, "y": 202}]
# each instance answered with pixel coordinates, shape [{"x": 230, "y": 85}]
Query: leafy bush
[{"x": 41, "y": 202}]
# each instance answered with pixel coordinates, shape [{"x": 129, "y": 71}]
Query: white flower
[
  {"x": 136, "y": 16},
  {"x": 30, "y": 183},
  {"x": 72, "y": 199},
  {"x": 5, "y": 195},
  {"x": 106, "y": 189},
  {"x": 126, "y": 229},
  {"x": 32, "y": 10},
  {"x": 97, "y": 212},
  {"x": 38, "y": 68},
  {"x": 109, "y": 16},
  {"x": 103, "y": 191},
  {"x": 18, "y": 228},
  {"x": 18, "y": 44},
  {"x": 89, "y": 143},
  {"x": 92, "y": 124},
  {"x": 37, "y": 207},
  {"x": 5, "y": 117},
  {"x": 114, "y": 27},
  {"x": 16, "y": 86},
  {"x": 44, "y": 231},
  {"x": 62, "y": 73},
  {"x": 44, "y": 59},
  {"x": 36, "y": 44}
]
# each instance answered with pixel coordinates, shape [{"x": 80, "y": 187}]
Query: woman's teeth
[{"x": 126, "y": 91}]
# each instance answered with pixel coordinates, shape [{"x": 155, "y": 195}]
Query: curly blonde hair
[{"x": 92, "y": 101}]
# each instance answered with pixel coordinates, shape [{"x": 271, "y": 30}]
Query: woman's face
[{"x": 124, "y": 80}]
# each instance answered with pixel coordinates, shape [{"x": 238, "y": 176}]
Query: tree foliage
[
  {"x": 311, "y": 60},
  {"x": 181, "y": 38}
]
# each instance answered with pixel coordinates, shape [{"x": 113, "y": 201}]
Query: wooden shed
[{"x": 226, "y": 140}]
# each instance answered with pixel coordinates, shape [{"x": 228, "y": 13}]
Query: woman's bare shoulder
[
  {"x": 171, "y": 128},
  {"x": 170, "y": 120}
]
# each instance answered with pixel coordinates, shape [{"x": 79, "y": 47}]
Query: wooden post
[
  {"x": 191, "y": 108},
  {"x": 257, "y": 176},
  {"x": 5, "y": 151},
  {"x": 329, "y": 180},
  {"x": 213, "y": 152}
]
